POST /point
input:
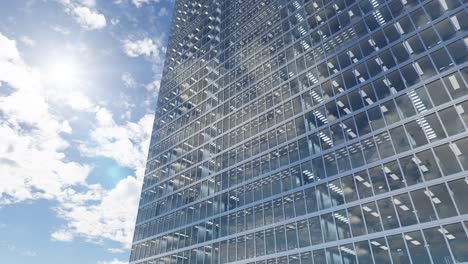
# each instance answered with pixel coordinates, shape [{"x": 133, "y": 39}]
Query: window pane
[
  {"x": 328, "y": 227},
  {"x": 448, "y": 161},
  {"x": 356, "y": 221},
  {"x": 342, "y": 224},
  {"x": 372, "y": 217},
  {"x": 303, "y": 233},
  {"x": 428, "y": 165},
  {"x": 437, "y": 246},
  {"x": 315, "y": 230},
  {"x": 348, "y": 255},
  {"x": 398, "y": 250},
  {"x": 363, "y": 253},
  {"x": 416, "y": 247},
  {"x": 458, "y": 241},
  {"x": 452, "y": 122},
  {"x": 410, "y": 170},
  {"x": 387, "y": 211},
  {"x": 423, "y": 205},
  {"x": 405, "y": 209},
  {"x": 442, "y": 201},
  {"x": 459, "y": 189},
  {"x": 380, "y": 251}
]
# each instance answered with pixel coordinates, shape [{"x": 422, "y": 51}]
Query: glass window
[
  {"x": 437, "y": 246},
  {"x": 437, "y": 92},
  {"x": 342, "y": 224},
  {"x": 388, "y": 214},
  {"x": 452, "y": 122},
  {"x": 363, "y": 252},
  {"x": 458, "y": 241},
  {"x": 348, "y": 255},
  {"x": 315, "y": 230},
  {"x": 259, "y": 243},
  {"x": 323, "y": 197},
  {"x": 372, "y": 217},
  {"x": 440, "y": 197},
  {"x": 423, "y": 206},
  {"x": 333, "y": 255},
  {"x": 447, "y": 159},
  {"x": 380, "y": 251},
  {"x": 311, "y": 200},
  {"x": 291, "y": 236},
  {"x": 378, "y": 180},
  {"x": 400, "y": 141},
  {"x": 427, "y": 164},
  {"x": 405, "y": 210},
  {"x": 416, "y": 134},
  {"x": 410, "y": 170},
  {"x": 356, "y": 221},
  {"x": 349, "y": 188},
  {"x": 459, "y": 189},
  {"x": 328, "y": 227},
  {"x": 270, "y": 241},
  {"x": 394, "y": 177},
  {"x": 363, "y": 184},
  {"x": 455, "y": 85},
  {"x": 319, "y": 256},
  {"x": 458, "y": 51},
  {"x": 303, "y": 233},
  {"x": 398, "y": 250},
  {"x": 417, "y": 247}
]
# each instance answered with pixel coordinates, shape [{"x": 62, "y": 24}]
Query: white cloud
[
  {"x": 112, "y": 217},
  {"x": 144, "y": 47},
  {"x": 128, "y": 80},
  {"x": 89, "y": 19},
  {"x": 114, "y": 261},
  {"x": 62, "y": 235},
  {"x": 34, "y": 164},
  {"x": 163, "y": 12},
  {"x": 139, "y": 3},
  {"x": 111, "y": 140}
]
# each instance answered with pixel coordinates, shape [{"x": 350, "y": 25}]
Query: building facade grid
[{"x": 310, "y": 132}]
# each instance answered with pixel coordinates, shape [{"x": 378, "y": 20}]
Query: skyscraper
[{"x": 310, "y": 131}]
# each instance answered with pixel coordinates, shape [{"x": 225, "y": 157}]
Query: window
[
  {"x": 417, "y": 247},
  {"x": 458, "y": 241},
  {"x": 423, "y": 206},
  {"x": 372, "y": 217},
  {"x": 387, "y": 211},
  {"x": 437, "y": 246},
  {"x": 440, "y": 197},
  {"x": 459, "y": 189}
]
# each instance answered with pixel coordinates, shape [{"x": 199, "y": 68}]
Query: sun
[{"x": 63, "y": 73}]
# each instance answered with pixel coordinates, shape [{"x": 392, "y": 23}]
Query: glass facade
[{"x": 310, "y": 132}]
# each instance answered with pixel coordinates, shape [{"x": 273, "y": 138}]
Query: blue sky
[{"x": 78, "y": 85}]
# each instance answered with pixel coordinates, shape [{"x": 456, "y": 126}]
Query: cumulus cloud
[
  {"x": 143, "y": 47},
  {"x": 34, "y": 163},
  {"x": 112, "y": 217},
  {"x": 89, "y": 19},
  {"x": 111, "y": 140},
  {"x": 85, "y": 14}
]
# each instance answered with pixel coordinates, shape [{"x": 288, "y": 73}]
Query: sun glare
[{"x": 63, "y": 73}]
